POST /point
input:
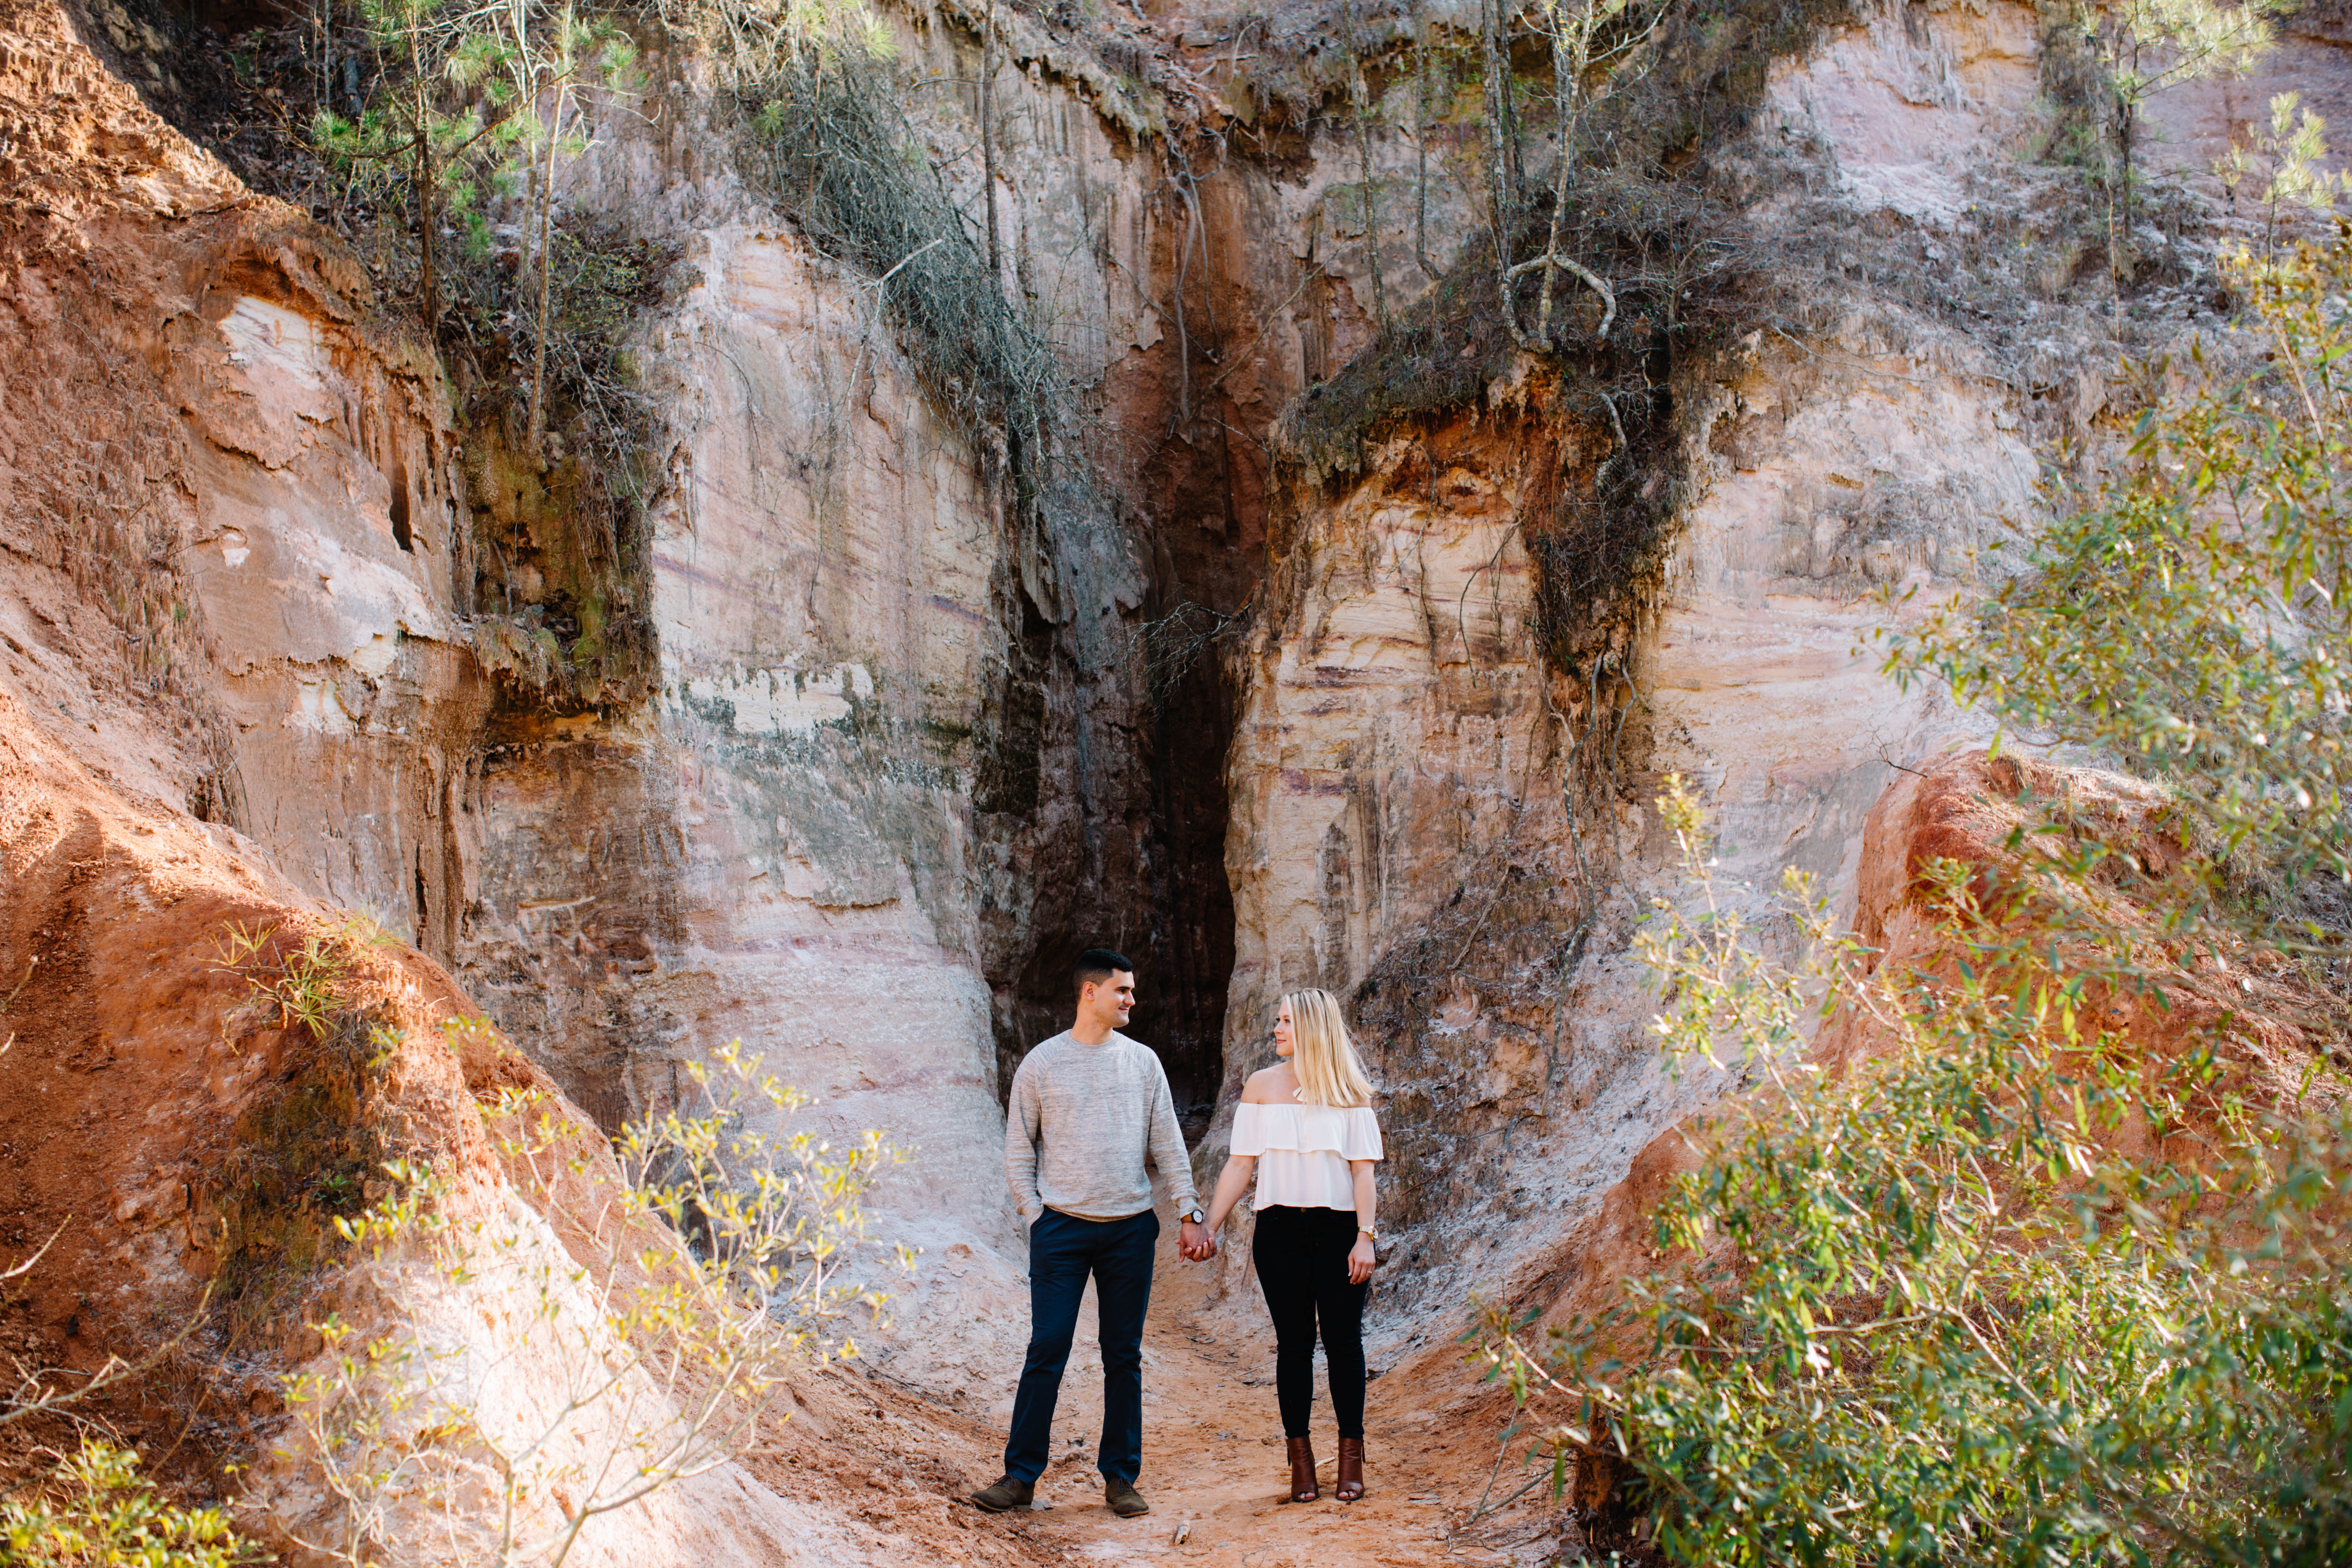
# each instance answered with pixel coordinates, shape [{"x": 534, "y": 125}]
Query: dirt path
[{"x": 1215, "y": 1473}]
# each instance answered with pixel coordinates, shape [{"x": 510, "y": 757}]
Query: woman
[{"x": 1305, "y": 1131}]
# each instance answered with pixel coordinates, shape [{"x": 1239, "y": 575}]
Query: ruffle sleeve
[
  {"x": 1360, "y": 1136},
  {"x": 1249, "y": 1129},
  {"x": 1352, "y": 1133}
]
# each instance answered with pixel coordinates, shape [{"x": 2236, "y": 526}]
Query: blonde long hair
[{"x": 1322, "y": 1056}]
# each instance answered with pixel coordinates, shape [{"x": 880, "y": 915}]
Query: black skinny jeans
[{"x": 1302, "y": 1266}]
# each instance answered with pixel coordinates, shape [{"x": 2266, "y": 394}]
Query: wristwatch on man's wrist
[{"x": 1193, "y": 1216}]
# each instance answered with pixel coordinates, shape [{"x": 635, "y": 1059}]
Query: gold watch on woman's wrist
[{"x": 1366, "y": 1230}]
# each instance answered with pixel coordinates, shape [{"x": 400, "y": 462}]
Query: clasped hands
[{"x": 1198, "y": 1244}]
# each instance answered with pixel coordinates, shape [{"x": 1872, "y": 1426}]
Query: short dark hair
[{"x": 1097, "y": 963}]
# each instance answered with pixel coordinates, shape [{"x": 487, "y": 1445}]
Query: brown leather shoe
[
  {"x": 1352, "y": 1469},
  {"x": 1122, "y": 1499},
  {"x": 1302, "y": 1470},
  {"x": 1007, "y": 1493}
]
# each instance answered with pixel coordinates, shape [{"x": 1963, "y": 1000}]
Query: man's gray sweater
[{"x": 1083, "y": 1120}]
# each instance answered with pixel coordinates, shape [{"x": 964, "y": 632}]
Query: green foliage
[
  {"x": 649, "y": 1359},
  {"x": 1949, "y": 1303},
  {"x": 568, "y": 54},
  {"x": 458, "y": 136},
  {"x": 2289, "y": 158},
  {"x": 775, "y": 1218},
  {"x": 2056, "y": 1271},
  {"x": 305, "y": 1146},
  {"x": 2152, "y": 44},
  {"x": 441, "y": 122},
  {"x": 2189, "y": 619},
  {"x": 448, "y": 115},
  {"x": 303, "y": 979},
  {"x": 96, "y": 1510},
  {"x": 2106, "y": 61}
]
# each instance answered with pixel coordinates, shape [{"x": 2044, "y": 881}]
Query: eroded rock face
[
  {"x": 187, "y": 1148},
  {"x": 906, "y": 761},
  {"x": 1412, "y": 827},
  {"x": 780, "y": 849},
  {"x": 901, "y": 759},
  {"x": 1395, "y": 720}
]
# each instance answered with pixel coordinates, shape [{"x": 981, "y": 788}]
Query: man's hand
[{"x": 1197, "y": 1243}]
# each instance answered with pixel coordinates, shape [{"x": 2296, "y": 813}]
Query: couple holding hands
[{"x": 1090, "y": 1109}]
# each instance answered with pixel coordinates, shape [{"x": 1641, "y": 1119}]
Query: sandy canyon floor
[{"x": 1213, "y": 1466}]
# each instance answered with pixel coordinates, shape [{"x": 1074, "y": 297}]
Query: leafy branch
[{"x": 675, "y": 1292}]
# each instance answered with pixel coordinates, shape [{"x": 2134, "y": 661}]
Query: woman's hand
[
  {"x": 1362, "y": 1258},
  {"x": 1232, "y": 1183}
]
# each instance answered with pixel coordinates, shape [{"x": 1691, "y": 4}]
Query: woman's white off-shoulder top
[{"x": 1302, "y": 1152}]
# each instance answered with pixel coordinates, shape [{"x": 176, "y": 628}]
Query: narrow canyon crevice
[
  {"x": 1185, "y": 427},
  {"x": 1204, "y": 480},
  {"x": 1192, "y": 950}
]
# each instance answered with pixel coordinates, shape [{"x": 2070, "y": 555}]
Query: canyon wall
[
  {"x": 1415, "y": 821},
  {"x": 871, "y": 751},
  {"x": 896, "y": 758},
  {"x": 906, "y": 756}
]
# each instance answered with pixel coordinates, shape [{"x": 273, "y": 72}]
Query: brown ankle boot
[
  {"x": 1352, "y": 1469},
  {"x": 1302, "y": 1470}
]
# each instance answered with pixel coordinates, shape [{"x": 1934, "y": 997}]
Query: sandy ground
[
  {"x": 898, "y": 1467},
  {"x": 1216, "y": 1475}
]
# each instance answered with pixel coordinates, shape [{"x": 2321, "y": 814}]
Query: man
[{"x": 1089, "y": 1109}]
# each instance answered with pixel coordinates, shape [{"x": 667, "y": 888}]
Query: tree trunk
[
  {"x": 427, "y": 223},
  {"x": 546, "y": 235},
  {"x": 1567, "y": 69},
  {"x": 1421, "y": 145},
  {"x": 1371, "y": 212},
  {"x": 988, "y": 142},
  {"x": 1512, "y": 139},
  {"x": 2119, "y": 224},
  {"x": 1502, "y": 196}
]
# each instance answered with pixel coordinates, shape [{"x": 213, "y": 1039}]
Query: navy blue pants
[{"x": 1063, "y": 1251}]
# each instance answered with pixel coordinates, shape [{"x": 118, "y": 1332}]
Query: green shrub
[
  {"x": 2189, "y": 619},
  {"x": 97, "y": 1512},
  {"x": 2051, "y": 1277},
  {"x": 650, "y": 1359}
]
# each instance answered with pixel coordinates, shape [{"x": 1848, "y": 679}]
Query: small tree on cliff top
[
  {"x": 554, "y": 56},
  {"x": 441, "y": 112},
  {"x": 2059, "y": 1275},
  {"x": 2144, "y": 48},
  {"x": 457, "y": 106},
  {"x": 1593, "y": 45}
]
